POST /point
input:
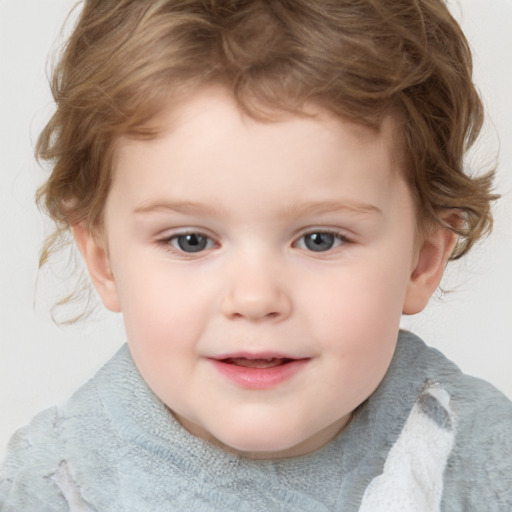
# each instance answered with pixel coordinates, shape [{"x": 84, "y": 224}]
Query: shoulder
[
  {"x": 413, "y": 356},
  {"x": 475, "y": 402},
  {"x": 479, "y": 471},
  {"x": 43, "y": 456},
  {"x": 27, "y": 476},
  {"x": 478, "y": 475}
]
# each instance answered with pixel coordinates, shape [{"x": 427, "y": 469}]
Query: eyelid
[
  {"x": 183, "y": 231},
  {"x": 165, "y": 240},
  {"x": 341, "y": 235},
  {"x": 174, "y": 234},
  {"x": 338, "y": 232}
]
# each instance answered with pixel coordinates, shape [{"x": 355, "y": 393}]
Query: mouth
[
  {"x": 267, "y": 362},
  {"x": 259, "y": 371}
]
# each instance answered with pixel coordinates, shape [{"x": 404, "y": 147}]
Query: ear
[
  {"x": 95, "y": 254},
  {"x": 432, "y": 258}
]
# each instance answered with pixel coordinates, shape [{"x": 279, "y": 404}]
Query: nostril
[
  {"x": 256, "y": 303},
  {"x": 272, "y": 314}
]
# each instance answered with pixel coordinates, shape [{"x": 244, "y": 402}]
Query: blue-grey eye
[
  {"x": 191, "y": 242},
  {"x": 321, "y": 241}
]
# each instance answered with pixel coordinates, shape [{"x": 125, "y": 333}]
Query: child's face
[{"x": 262, "y": 269}]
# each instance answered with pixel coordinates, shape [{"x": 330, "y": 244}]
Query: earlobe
[
  {"x": 96, "y": 258},
  {"x": 429, "y": 268}
]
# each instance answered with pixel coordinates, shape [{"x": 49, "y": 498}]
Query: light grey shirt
[{"x": 430, "y": 438}]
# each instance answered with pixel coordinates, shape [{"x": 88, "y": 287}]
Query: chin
[
  {"x": 260, "y": 443},
  {"x": 264, "y": 450}
]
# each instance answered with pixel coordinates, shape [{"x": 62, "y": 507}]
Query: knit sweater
[{"x": 429, "y": 438}]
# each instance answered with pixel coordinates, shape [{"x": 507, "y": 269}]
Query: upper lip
[{"x": 255, "y": 356}]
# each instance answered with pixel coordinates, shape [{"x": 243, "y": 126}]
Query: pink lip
[{"x": 258, "y": 378}]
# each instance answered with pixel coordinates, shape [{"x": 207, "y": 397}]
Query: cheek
[
  {"x": 165, "y": 309},
  {"x": 357, "y": 319},
  {"x": 360, "y": 299},
  {"x": 162, "y": 328},
  {"x": 151, "y": 303}
]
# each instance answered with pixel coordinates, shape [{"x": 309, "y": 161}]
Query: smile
[
  {"x": 270, "y": 362},
  {"x": 262, "y": 371}
]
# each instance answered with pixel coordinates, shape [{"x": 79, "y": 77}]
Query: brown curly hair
[{"x": 360, "y": 59}]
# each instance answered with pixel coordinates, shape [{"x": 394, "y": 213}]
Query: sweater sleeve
[
  {"x": 479, "y": 473},
  {"x": 28, "y": 473}
]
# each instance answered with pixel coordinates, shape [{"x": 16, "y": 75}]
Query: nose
[{"x": 256, "y": 291}]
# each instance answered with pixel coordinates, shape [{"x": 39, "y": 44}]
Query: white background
[{"x": 41, "y": 364}]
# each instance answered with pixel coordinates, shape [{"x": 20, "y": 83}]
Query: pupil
[
  {"x": 192, "y": 242},
  {"x": 319, "y": 241}
]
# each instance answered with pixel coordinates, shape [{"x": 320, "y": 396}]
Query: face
[{"x": 261, "y": 269}]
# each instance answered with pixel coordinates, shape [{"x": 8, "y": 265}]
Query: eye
[
  {"x": 321, "y": 241},
  {"x": 190, "y": 242}
]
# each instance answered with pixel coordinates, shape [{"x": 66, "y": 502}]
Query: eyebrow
[
  {"x": 294, "y": 210},
  {"x": 178, "y": 206},
  {"x": 320, "y": 207}
]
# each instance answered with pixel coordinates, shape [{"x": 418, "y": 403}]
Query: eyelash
[
  {"x": 167, "y": 242},
  {"x": 336, "y": 235}
]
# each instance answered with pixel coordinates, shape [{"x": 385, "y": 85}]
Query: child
[{"x": 262, "y": 189}]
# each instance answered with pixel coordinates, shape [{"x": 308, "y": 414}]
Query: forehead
[
  {"x": 207, "y": 141},
  {"x": 213, "y": 110},
  {"x": 211, "y": 163},
  {"x": 210, "y": 129}
]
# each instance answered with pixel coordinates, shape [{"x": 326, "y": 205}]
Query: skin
[{"x": 261, "y": 193}]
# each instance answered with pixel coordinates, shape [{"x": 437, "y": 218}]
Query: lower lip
[{"x": 259, "y": 378}]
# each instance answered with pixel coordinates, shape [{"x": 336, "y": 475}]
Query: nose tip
[
  {"x": 256, "y": 299},
  {"x": 251, "y": 310}
]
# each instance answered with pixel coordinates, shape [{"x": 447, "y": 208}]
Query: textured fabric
[
  {"x": 429, "y": 438},
  {"x": 412, "y": 477}
]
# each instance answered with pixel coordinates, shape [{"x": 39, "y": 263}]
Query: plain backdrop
[{"x": 41, "y": 364}]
